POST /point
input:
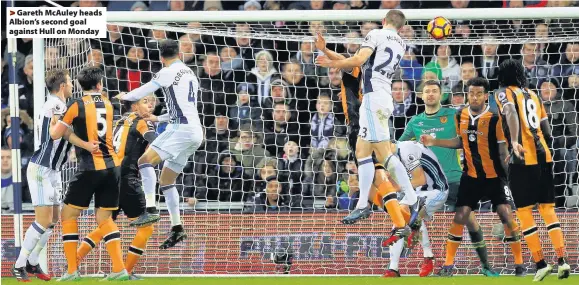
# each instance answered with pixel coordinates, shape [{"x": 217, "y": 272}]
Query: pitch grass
[{"x": 457, "y": 280}]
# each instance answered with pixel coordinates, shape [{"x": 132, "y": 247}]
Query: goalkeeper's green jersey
[{"x": 441, "y": 125}]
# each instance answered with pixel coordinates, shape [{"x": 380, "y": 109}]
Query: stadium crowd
[{"x": 275, "y": 132}]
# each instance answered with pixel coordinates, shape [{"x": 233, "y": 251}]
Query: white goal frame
[{"x": 286, "y": 15}]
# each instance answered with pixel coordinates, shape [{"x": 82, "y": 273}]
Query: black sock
[
  {"x": 541, "y": 264},
  {"x": 478, "y": 242},
  {"x": 177, "y": 228},
  {"x": 561, "y": 260}
]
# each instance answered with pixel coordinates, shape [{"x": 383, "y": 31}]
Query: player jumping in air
[
  {"x": 43, "y": 174},
  {"x": 531, "y": 165},
  {"x": 176, "y": 144},
  {"x": 131, "y": 137},
  {"x": 480, "y": 134},
  {"x": 98, "y": 175},
  {"x": 380, "y": 53},
  {"x": 430, "y": 183}
]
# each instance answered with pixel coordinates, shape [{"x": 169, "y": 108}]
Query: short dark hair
[
  {"x": 89, "y": 77},
  {"x": 54, "y": 78},
  {"x": 512, "y": 73},
  {"x": 433, "y": 82},
  {"x": 396, "y": 18},
  {"x": 168, "y": 48},
  {"x": 479, "y": 82}
]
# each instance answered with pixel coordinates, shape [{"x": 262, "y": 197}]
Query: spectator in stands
[
  {"x": 467, "y": 72},
  {"x": 411, "y": 68},
  {"x": 217, "y": 137},
  {"x": 229, "y": 184},
  {"x": 197, "y": 39},
  {"x": 351, "y": 46},
  {"x": 367, "y": 27},
  {"x": 247, "y": 150},
  {"x": 537, "y": 69},
  {"x": 390, "y": 4},
  {"x": 247, "y": 109},
  {"x": 542, "y": 35},
  {"x": 25, "y": 86},
  {"x": 324, "y": 125},
  {"x": 247, "y": 46},
  {"x": 564, "y": 121},
  {"x": 433, "y": 72},
  {"x": 7, "y": 191},
  {"x": 25, "y": 130},
  {"x": 52, "y": 58},
  {"x": 273, "y": 198},
  {"x": 279, "y": 94},
  {"x": 290, "y": 167},
  {"x": 134, "y": 69},
  {"x": 305, "y": 56},
  {"x": 230, "y": 60},
  {"x": 458, "y": 94},
  {"x": 303, "y": 89},
  {"x": 325, "y": 181},
  {"x": 262, "y": 75},
  {"x": 406, "y": 105},
  {"x": 252, "y": 5},
  {"x": 281, "y": 129},
  {"x": 448, "y": 64},
  {"x": 113, "y": 47},
  {"x": 348, "y": 192},
  {"x": 488, "y": 63},
  {"x": 187, "y": 51},
  {"x": 335, "y": 76},
  {"x": 95, "y": 58},
  {"x": 217, "y": 88},
  {"x": 569, "y": 62},
  {"x": 317, "y": 4}
]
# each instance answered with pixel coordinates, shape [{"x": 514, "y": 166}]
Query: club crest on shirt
[
  {"x": 471, "y": 137},
  {"x": 444, "y": 119}
]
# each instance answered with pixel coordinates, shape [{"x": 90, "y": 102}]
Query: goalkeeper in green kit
[{"x": 440, "y": 123}]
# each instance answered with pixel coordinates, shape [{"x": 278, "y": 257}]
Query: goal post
[{"x": 231, "y": 235}]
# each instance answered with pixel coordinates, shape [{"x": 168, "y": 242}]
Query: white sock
[
  {"x": 149, "y": 180},
  {"x": 425, "y": 241},
  {"x": 172, "y": 201},
  {"x": 366, "y": 177},
  {"x": 400, "y": 175},
  {"x": 33, "y": 258},
  {"x": 30, "y": 240},
  {"x": 395, "y": 252}
]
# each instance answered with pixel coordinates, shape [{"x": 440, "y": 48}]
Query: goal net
[{"x": 275, "y": 131}]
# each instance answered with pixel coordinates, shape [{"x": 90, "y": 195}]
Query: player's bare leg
[
  {"x": 35, "y": 239},
  {"x": 512, "y": 237},
  {"x": 167, "y": 186},
  {"x": 146, "y": 164}
]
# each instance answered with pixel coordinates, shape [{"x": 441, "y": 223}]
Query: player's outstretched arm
[
  {"x": 321, "y": 45},
  {"x": 355, "y": 61},
  {"x": 140, "y": 92},
  {"x": 92, "y": 147},
  {"x": 428, "y": 140}
]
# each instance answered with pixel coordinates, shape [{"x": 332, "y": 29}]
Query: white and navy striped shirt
[
  {"x": 413, "y": 154},
  {"x": 52, "y": 153}
]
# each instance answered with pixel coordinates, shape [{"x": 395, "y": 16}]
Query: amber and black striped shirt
[
  {"x": 531, "y": 112},
  {"x": 132, "y": 135},
  {"x": 480, "y": 137},
  {"x": 91, "y": 117}
]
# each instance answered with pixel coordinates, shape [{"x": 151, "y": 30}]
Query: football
[{"x": 439, "y": 28}]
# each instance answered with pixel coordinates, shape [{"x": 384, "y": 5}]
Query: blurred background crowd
[{"x": 275, "y": 132}]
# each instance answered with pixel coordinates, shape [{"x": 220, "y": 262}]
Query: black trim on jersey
[
  {"x": 473, "y": 145},
  {"x": 150, "y": 136},
  {"x": 368, "y": 74},
  {"x": 436, "y": 177},
  {"x": 107, "y": 158}
]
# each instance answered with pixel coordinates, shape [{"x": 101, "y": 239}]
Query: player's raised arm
[
  {"x": 321, "y": 45},
  {"x": 428, "y": 140},
  {"x": 355, "y": 61}
]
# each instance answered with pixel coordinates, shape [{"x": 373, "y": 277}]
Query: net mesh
[{"x": 229, "y": 230}]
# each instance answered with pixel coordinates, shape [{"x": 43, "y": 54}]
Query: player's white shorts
[
  {"x": 375, "y": 113},
  {"x": 435, "y": 200},
  {"x": 176, "y": 144},
  {"x": 45, "y": 185}
]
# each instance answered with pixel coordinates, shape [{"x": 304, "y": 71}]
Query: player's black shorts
[
  {"x": 472, "y": 190},
  {"x": 531, "y": 184},
  {"x": 102, "y": 184},
  {"x": 131, "y": 198}
]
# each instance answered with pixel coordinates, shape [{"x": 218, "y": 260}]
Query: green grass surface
[{"x": 458, "y": 280}]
